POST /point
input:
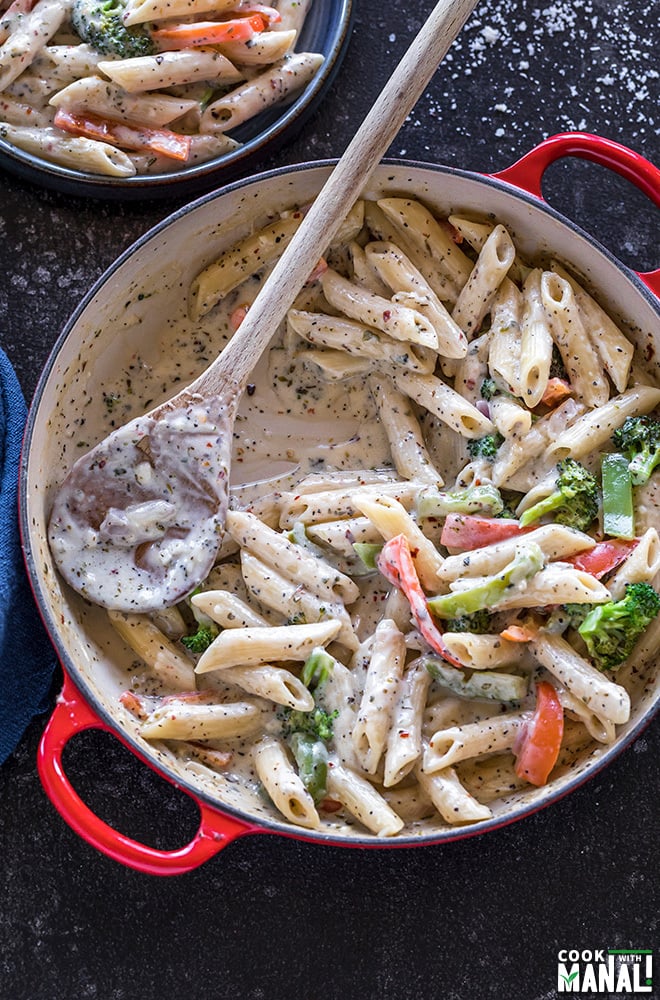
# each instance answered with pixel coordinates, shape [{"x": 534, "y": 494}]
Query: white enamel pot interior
[{"x": 125, "y": 308}]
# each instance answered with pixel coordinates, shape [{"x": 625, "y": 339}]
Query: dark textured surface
[{"x": 273, "y": 918}]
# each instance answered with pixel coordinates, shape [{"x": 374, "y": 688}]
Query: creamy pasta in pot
[
  {"x": 126, "y": 87},
  {"x": 442, "y": 601}
]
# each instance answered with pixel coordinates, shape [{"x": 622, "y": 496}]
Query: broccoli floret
[
  {"x": 478, "y": 622},
  {"x": 485, "y": 447},
  {"x": 611, "y": 630},
  {"x": 557, "y": 367},
  {"x": 510, "y": 501},
  {"x": 573, "y": 503},
  {"x": 317, "y": 668},
  {"x": 639, "y": 440},
  {"x": 307, "y": 733},
  {"x": 576, "y": 613},
  {"x": 200, "y": 640},
  {"x": 482, "y": 499},
  {"x": 317, "y": 723},
  {"x": 488, "y": 389},
  {"x": 99, "y": 22}
]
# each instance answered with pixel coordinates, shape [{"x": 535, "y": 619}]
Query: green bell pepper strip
[
  {"x": 311, "y": 756},
  {"x": 527, "y": 561},
  {"x": 618, "y": 509}
]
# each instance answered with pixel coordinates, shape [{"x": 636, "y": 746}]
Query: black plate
[{"x": 326, "y": 30}]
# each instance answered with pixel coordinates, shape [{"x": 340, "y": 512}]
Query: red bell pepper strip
[
  {"x": 469, "y": 531},
  {"x": 518, "y": 633},
  {"x": 537, "y": 747},
  {"x": 156, "y": 140},
  {"x": 237, "y": 316},
  {"x": 135, "y": 704},
  {"x": 556, "y": 391},
  {"x": 604, "y": 557},
  {"x": 187, "y": 36},
  {"x": 395, "y": 562}
]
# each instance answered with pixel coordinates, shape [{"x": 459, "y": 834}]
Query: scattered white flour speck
[{"x": 601, "y": 43}]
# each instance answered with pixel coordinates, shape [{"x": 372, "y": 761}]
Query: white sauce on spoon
[{"x": 145, "y": 529}]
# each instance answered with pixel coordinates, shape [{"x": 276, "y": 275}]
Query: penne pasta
[
  {"x": 585, "y": 371},
  {"x": 447, "y": 404},
  {"x": 470, "y": 371},
  {"x": 272, "y": 684},
  {"x": 404, "y": 742},
  {"x": 590, "y": 431},
  {"x": 181, "y": 719},
  {"x": 362, "y": 800},
  {"x": 613, "y": 348},
  {"x": 279, "y": 81},
  {"x": 169, "y": 665},
  {"x": 450, "y": 798},
  {"x": 608, "y": 700},
  {"x": 342, "y": 535},
  {"x": 483, "y": 652},
  {"x": 292, "y": 600},
  {"x": 87, "y": 155},
  {"x": 398, "y": 322},
  {"x": 556, "y": 541},
  {"x": 328, "y": 505},
  {"x": 239, "y": 262},
  {"x": 301, "y": 566},
  {"x": 491, "y": 735},
  {"x": 396, "y": 270},
  {"x": 511, "y": 419},
  {"x": 262, "y": 50},
  {"x": 169, "y": 69},
  {"x": 28, "y": 35},
  {"x": 392, "y": 519},
  {"x": 556, "y": 584},
  {"x": 227, "y": 610},
  {"x": 283, "y": 785},
  {"x": 139, "y": 11},
  {"x": 103, "y": 98},
  {"x": 434, "y": 241},
  {"x": 251, "y": 646},
  {"x": 535, "y": 342},
  {"x": 357, "y": 340},
  {"x": 292, "y": 14},
  {"x": 380, "y": 694},
  {"x": 477, "y": 294},
  {"x": 641, "y": 566},
  {"x": 409, "y": 451},
  {"x": 505, "y": 338}
]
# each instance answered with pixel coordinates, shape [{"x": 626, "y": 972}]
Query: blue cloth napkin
[{"x": 27, "y": 659}]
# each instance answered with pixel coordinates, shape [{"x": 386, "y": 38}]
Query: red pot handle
[
  {"x": 527, "y": 172},
  {"x": 73, "y": 715}
]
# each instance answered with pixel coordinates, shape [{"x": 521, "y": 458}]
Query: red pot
[{"x": 102, "y": 330}]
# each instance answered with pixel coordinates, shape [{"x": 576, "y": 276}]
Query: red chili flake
[{"x": 387, "y": 315}]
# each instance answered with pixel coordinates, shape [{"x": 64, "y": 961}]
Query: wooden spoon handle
[{"x": 340, "y": 192}]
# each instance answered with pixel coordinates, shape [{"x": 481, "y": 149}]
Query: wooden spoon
[{"x": 136, "y": 524}]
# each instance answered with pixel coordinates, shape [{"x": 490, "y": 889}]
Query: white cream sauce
[{"x": 137, "y": 524}]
